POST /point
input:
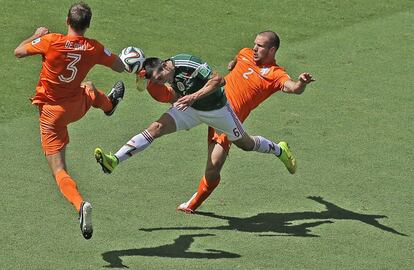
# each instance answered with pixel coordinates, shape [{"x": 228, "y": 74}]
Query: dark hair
[
  {"x": 151, "y": 64},
  {"x": 79, "y": 16},
  {"x": 274, "y": 39}
]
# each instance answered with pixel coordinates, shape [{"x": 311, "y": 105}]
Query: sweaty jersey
[
  {"x": 248, "y": 84},
  {"x": 191, "y": 74},
  {"x": 66, "y": 60}
]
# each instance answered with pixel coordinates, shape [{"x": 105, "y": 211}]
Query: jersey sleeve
[
  {"x": 104, "y": 56},
  {"x": 160, "y": 93},
  {"x": 202, "y": 69},
  {"x": 39, "y": 45},
  {"x": 280, "y": 77}
]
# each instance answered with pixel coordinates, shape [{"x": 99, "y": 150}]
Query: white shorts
[{"x": 223, "y": 120}]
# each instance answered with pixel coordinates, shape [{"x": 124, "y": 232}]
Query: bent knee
[
  {"x": 89, "y": 85},
  {"x": 156, "y": 129}
]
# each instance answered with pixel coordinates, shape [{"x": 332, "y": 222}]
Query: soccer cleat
[
  {"x": 287, "y": 157},
  {"x": 85, "y": 220},
  {"x": 108, "y": 162},
  {"x": 115, "y": 96},
  {"x": 184, "y": 208}
]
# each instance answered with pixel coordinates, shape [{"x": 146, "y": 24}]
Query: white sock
[
  {"x": 263, "y": 145},
  {"x": 136, "y": 144}
]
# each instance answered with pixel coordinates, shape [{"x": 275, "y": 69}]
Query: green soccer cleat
[
  {"x": 108, "y": 162},
  {"x": 287, "y": 157}
]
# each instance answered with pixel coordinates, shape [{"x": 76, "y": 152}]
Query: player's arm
[
  {"x": 21, "y": 50},
  {"x": 118, "y": 65},
  {"x": 298, "y": 87},
  {"x": 214, "y": 81},
  {"x": 103, "y": 56},
  {"x": 232, "y": 63}
]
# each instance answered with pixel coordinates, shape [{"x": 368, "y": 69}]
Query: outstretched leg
[{"x": 136, "y": 144}]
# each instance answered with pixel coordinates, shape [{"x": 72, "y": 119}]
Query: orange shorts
[
  {"x": 220, "y": 139},
  {"x": 54, "y": 120}
]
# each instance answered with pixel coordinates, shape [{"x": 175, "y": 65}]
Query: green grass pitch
[{"x": 348, "y": 207}]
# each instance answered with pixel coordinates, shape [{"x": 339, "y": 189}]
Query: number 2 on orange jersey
[{"x": 246, "y": 74}]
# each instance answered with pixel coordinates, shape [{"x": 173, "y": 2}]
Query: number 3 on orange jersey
[{"x": 71, "y": 67}]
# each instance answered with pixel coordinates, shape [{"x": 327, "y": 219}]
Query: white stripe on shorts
[{"x": 236, "y": 120}]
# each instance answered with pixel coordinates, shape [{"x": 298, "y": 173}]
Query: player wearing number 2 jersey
[
  {"x": 254, "y": 77},
  {"x": 62, "y": 98},
  {"x": 199, "y": 98}
]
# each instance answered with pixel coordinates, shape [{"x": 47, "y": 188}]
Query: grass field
[{"x": 348, "y": 207}]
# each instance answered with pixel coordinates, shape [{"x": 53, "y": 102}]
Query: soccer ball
[{"x": 133, "y": 59}]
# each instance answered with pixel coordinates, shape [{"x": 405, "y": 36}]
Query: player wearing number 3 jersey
[{"x": 62, "y": 98}]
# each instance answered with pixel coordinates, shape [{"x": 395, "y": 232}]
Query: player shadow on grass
[
  {"x": 281, "y": 224},
  {"x": 178, "y": 249}
]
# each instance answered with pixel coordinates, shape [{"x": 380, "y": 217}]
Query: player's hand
[
  {"x": 140, "y": 83},
  {"x": 184, "y": 102},
  {"x": 41, "y": 31},
  {"x": 231, "y": 65},
  {"x": 306, "y": 78}
]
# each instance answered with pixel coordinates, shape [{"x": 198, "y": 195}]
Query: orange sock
[
  {"x": 68, "y": 188},
  {"x": 203, "y": 192},
  {"x": 100, "y": 100}
]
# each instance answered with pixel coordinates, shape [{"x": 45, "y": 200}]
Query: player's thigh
[
  {"x": 53, "y": 133},
  {"x": 224, "y": 120},
  {"x": 76, "y": 108},
  {"x": 64, "y": 113},
  {"x": 184, "y": 119}
]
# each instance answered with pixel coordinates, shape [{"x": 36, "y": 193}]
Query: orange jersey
[
  {"x": 66, "y": 60},
  {"x": 248, "y": 84},
  {"x": 160, "y": 93}
]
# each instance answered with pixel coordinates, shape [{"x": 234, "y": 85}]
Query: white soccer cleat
[
  {"x": 85, "y": 220},
  {"x": 184, "y": 206}
]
